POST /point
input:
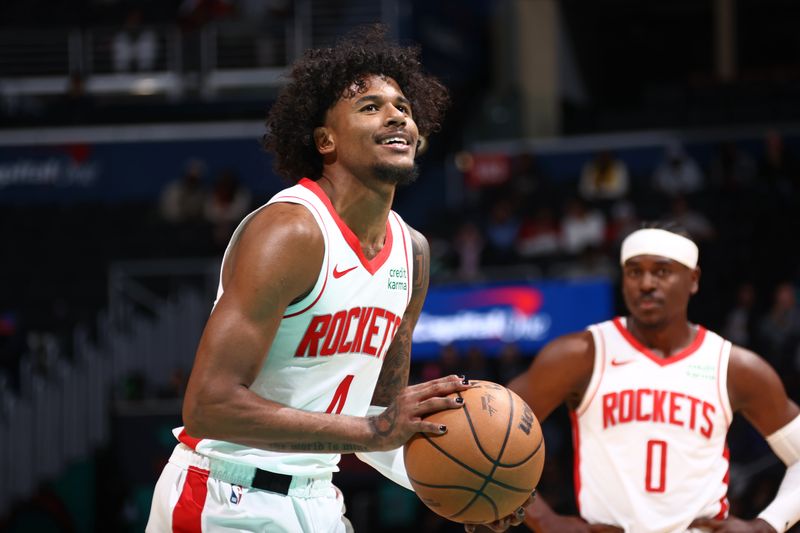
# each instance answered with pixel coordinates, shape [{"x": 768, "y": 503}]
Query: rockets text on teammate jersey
[
  {"x": 366, "y": 330},
  {"x": 660, "y": 407}
]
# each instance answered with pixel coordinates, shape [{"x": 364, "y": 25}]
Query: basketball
[{"x": 487, "y": 463}]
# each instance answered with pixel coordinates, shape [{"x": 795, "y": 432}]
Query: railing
[
  {"x": 63, "y": 407},
  {"x": 229, "y": 55}
]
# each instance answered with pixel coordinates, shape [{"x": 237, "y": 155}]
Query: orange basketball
[{"x": 488, "y": 462}]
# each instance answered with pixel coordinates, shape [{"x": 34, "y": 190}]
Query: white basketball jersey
[
  {"x": 329, "y": 347},
  {"x": 650, "y": 433}
]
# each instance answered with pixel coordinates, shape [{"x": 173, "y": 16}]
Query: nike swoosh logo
[
  {"x": 614, "y": 362},
  {"x": 339, "y": 273}
]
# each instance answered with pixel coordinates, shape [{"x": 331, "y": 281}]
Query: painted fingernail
[
  {"x": 442, "y": 428},
  {"x": 462, "y": 377},
  {"x": 465, "y": 381},
  {"x": 459, "y": 400}
]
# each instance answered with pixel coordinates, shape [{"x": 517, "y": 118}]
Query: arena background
[{"x": 107, "y": 277}]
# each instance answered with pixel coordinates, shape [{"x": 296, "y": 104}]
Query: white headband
[{"x": 659, "y": 242}]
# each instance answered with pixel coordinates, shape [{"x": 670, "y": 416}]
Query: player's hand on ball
[
  {"x": 514, "y": 519},
  {"x": 404, "y": 417}
]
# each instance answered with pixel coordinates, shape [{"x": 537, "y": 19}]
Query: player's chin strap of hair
[
  {"x": 389, "y": 463},
  {"x": 784, "y": 511},
  {"x": 659, "y": 242}
]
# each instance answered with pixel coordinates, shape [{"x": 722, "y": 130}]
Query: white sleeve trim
[{"x": 784, "y": 511}]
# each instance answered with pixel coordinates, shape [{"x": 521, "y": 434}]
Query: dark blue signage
[
  {"x": 489, "y": 316},
  {"x": 125, "y": 171}
]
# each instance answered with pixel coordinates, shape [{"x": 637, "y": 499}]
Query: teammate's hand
[
  {"x": 514, "y": 519},
  {"x": 733, "y": 525},
  {"x": 392, "y": 428}
]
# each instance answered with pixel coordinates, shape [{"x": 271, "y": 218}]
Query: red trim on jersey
[
  {"x": 405, "y": 251},
  {"x": 372, "y": 265},
  {"x": 719, "y": 389},
  {"x": 661, "y": 361},
  {"x": 191, "y": 442},
  {"x": 576, "y": 461},
  {"x": 186, "y": 516},
  {"x": 305, "y": 202},
  {"x": 602, "y": 351},
  {"x": 723, "y": 502}
]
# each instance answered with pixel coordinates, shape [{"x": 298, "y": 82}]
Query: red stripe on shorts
[{"x": 186, "y": 515}]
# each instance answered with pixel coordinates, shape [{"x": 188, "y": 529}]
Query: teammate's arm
[
  {"x": 756, "y": 391},
  {"x": 560, "y": 373},
  {"x": 276, "y": 261}
]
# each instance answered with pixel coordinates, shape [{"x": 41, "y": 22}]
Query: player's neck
[
  {"x": 363, "y": 208},
  {"x": 663, "y": 340}
]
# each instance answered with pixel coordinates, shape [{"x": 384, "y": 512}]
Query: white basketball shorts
[{"x": 187, "y": 499}]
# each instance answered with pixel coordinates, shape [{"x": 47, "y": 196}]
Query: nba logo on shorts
[{"x": 236, "y": 494}]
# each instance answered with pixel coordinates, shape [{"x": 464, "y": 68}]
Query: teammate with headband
[{"x": 651, "y": 397}]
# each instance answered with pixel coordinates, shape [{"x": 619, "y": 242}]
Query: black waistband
[{"x": 271, "y": 481}]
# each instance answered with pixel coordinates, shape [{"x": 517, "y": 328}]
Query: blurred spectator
[
  {"x": 184, "y": 200},
  {"x": 739, "y": 324},
  {"x": 624, "y": 221},
  {"x": 526, "y": 178},
  {"x": 477, "y": 366},
  {"x": 227, "y": 205},
  {"x": 176, "y": 385},
  {"x": 592, "y": 262},
  {"x": 604, "y": 178},
  {"x": 12, "y": 346},
  {"x": 779, "y": 329},
  {"x": 677, "y": 173},
  {"x": 134, "y": 47},
  {"x": 266, "y": 21},
  {"x": 468, "y": 245},
  {"x": 76, "y": 105},
  {"x": 510, "y": 363},
  {"x": 538, "y": 234},
  {"x": 195, "y": 14},
  {"x": 502, "y": 228},
  {"x": 778, "y": 168},
  {"x": 448, "y": 362},
  {"x": 732, "y": 169},
  {"x": 581, "y": 227},
  {"x": 695, "y": 222}
]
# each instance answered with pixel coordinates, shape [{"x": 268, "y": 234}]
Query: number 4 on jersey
[{"x": 340, "y": 396}]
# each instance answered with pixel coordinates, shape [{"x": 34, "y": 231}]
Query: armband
[{"x": 786, "y": 442}]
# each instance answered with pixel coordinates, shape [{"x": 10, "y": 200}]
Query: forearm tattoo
[
  {"x": 397, "y": 363},
  {"x": 316, "y": 447},
  {"x": 383, "y": 424},
  {"x": 394, "y": 373}
]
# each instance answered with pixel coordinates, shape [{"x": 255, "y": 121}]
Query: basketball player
[
  {"x": 651, "y": 397},
  {"x": 320, "y": 290}
]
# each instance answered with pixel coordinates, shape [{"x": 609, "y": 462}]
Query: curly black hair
[{"x": 322, "y": 76}]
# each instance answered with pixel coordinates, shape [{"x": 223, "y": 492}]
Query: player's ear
[
  {"x": 695, "y": 280},
  {"x": 323, "y": 140}
]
